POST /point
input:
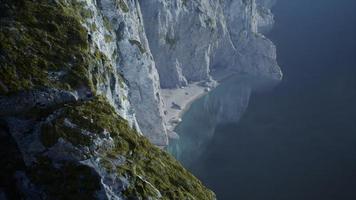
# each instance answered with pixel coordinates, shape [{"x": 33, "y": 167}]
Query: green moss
[
  {"x": 157, "y": 167},
  {"x": 121, "y": 80},
  {"x": 38, "y": 39},
  {"x": 93, "y": 27},
  {"x": 123, "y": 6},
  {"x": 124, "y": 97},
  {"x": 162, "y": 172},
  {"x": 82, "y": 116},
  {"x": 147, "y": 167},
  {"x": 210, "y": 22},
  {"x": 44, "y": 44},
  {"x": 79, "y": 7},
  {"x": 50, "y": 133},
  {"x": 144, "y": 160},
  {"x": 138, "y": 44},
  {"x": 102, "y": 69},
  {"x": 108, "y": 38},
  {"x": 172, "y": 41},
  {"x": 107, "y": 24},
  {"x": 69, "y": 181}
]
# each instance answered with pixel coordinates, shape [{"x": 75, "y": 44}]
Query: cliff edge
[
  {"x": 92, "y": 90},
  {"x": 67, "y": 128}
]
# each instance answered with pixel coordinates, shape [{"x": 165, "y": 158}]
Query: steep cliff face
[
  {"x": 81, "y": 90},
  {"x": 242, "y": 60},
  {"x": 84, "y": 150},
  {"x": 190, "y": 39},
  {"x": 136, "y": 63},
  {"x": 72, "y": 77},
  {"x": 208, "y": 42}
]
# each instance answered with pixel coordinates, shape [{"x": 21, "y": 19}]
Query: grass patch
[
  {"x": 147, "y": 167},
  {"x": 42, "y": 44}
]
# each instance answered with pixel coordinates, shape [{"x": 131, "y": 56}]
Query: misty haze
[
  {"x": 178, "y": 99},
  {"x": 297, "y": 140}
]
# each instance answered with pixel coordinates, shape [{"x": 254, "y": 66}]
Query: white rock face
[
  {"x": 136, "y": 63},
  {"x": 119, "y": 34},
  {"x": 186, "y": 47},
  {"x": 175, "y": 43},
  {"x": 189, "y": 39},
  {"x": 203, "y": 40},
  {"x": 182, "y": 35},
  {"x": 112, "y": 85}
]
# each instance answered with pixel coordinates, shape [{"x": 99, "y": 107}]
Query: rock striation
[
  {"x": 69, "y": 121},
  {"x": 208, "y": 41},
  {"x": 87, "y": 88}
]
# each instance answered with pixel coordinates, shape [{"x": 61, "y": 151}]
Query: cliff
[{"x": 87, "y": 88}]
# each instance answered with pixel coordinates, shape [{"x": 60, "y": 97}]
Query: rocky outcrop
[
  {"x": 68, "y": 125},
  {"x": 85, "y": 150},
  {"x": 135, "y": 61},
  {"x": 81, "y": 88},
  {"x": 191, "y": 40},
  {"x": 210, "y": 41}
]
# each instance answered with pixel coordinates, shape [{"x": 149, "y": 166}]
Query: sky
[{"x": 298, "y": 141}]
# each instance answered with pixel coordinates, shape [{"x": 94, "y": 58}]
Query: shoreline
[
  {"x": 184, "y": 97},
  {"x": 178, "y": 101},
  {"x": 189, "y": 104}
]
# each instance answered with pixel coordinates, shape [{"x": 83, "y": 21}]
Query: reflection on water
[
  {"x": 297, "y": 142},
  {"x": 225, "y": 104}
]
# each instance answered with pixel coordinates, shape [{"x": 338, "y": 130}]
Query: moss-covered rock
[
  {"x": 69, "y": 180},
  {"x": 42, "y": 44},
  {"x": 151, "y": 172},
  {"x": 123, "y": 6},
  {"x": 46, "y": 57},
  {"x": 138, "y": 45}
]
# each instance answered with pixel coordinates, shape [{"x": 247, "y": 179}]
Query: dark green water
[{"x": 297, "y": 142}]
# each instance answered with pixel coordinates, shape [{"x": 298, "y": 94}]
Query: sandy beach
[{"x": 177, "y": 102}]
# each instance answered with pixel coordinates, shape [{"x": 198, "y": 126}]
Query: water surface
[{"x": 297, "y": 142}]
